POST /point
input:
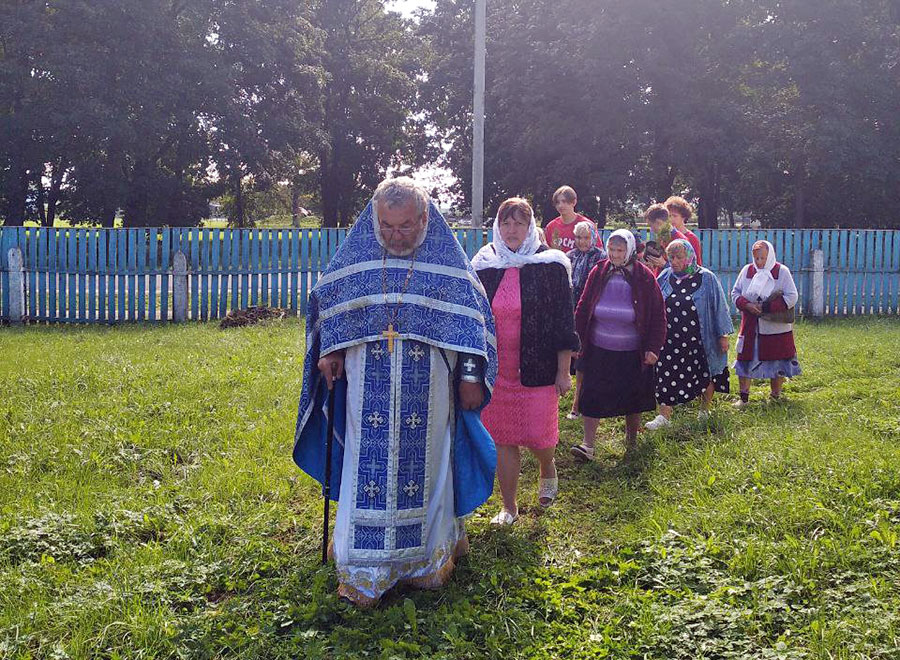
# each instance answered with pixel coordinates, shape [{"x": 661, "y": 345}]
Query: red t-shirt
[
  {"x": 695, "y": 243},
  {"x": 562, "y": 236}
]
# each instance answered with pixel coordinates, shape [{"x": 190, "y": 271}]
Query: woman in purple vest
[{"x": 621, "y": 322}]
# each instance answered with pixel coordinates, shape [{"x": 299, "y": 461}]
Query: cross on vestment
[
  {"x": 469, "y": 364},
  {"x": 390, "y": 335}
]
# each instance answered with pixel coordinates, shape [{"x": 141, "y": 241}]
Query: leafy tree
[
  {"x": 372, "y": 59},
  {"x": 24, "y": 92}
]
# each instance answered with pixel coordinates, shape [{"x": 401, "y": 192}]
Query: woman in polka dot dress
[{"x": 694, "y": 359}]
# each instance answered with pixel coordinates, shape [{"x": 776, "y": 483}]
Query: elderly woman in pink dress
[{"x": 529, "y": 286}]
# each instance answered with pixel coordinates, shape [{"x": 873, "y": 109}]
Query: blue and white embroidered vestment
[{"x": 406, "y": 463}]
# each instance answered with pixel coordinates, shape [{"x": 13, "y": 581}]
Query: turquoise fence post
[
  {"x": 203, "y": 271},
  {"x": 72, "y": 269},
  {"x": 82, "y": 272},
  {"x": 141, "y": 274},
  {"x": 152, "y": 270},
  {"x": 62, "y": 264},
  {"x": 305, "y": 235},
  {"x": 41, "y": 267},
  {"x": 221, "y": 258},
  {"x": 165, "y": 256},
  {"x": 122, "y": 270},
  {"x": 102, "y": 275},
  {"x": 235, "y": 266},
  {"x": 295, "y": 270},
  {"x": 32, "y": 268}
]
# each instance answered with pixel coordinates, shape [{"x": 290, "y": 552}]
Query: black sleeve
[
  {"x": 471, "y": 365},
  {"x": 562, "y": 312}
]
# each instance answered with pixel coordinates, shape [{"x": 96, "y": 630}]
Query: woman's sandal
[
  {"x": 547, "y": 491},
  {"x": 504, "y": 518},
  {"x": 582, "y": 452}
]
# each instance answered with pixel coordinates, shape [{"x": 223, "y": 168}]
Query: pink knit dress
[{"x": 517, "y": 415}]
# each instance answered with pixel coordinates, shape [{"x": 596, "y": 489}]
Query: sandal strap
[
  {"x": 583, "y": 450},
  {"x": 548, "y": 487},
  {"x": 505, "y": 518}
]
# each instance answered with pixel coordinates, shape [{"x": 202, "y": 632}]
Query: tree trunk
[
  {"x": 41, "y": 202},
  {"x": 799, "y": 205},
  {"x": 108, "y": 220},
  {"x": 328, "y": 192},
  {"x": 547, "y": 210},
  {"x": 600, "y": 216},
  {"x": 665, "y": 183},
  {"x": 708, "y": 211},
  {"x": 137, "y": 206},
  {"x": 295, "y": 205},
  {"x": 17, "y": 196},
  {"x": 56, "y": 178},
  {"x": 239, "y": 210}
]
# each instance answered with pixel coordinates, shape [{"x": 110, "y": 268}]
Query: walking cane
[{"x": 329, "y": 441}]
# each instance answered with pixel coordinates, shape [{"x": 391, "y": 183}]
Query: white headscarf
[
  {"x": 762, "y": 284},
  {"x": 630, "y": 243},
  {"x": 497, "y": 255}
]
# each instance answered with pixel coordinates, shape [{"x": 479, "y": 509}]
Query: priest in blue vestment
[{"x": 401, "y": 317}]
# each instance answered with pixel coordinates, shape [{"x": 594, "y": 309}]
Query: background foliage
[{"x": 151, "y": 108}]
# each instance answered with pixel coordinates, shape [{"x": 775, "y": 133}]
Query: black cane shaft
[{"x": 329, "y": 443}]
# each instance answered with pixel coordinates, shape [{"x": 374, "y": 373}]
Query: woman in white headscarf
[
  {"x": 621, "y": 322},
  {"x": 529, "y": 286},
  {"x": 765, "y": 294}
]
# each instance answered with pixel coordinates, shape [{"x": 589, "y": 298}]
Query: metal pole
[{"x": 478, "y": 119}]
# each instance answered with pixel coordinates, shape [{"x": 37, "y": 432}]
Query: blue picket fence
[{"x": 116, "y": 275}]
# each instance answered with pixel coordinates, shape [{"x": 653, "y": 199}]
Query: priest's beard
[{"x": 403, "y": 248}]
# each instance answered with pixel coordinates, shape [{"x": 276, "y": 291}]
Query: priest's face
[{"x": 401, "y": 227}]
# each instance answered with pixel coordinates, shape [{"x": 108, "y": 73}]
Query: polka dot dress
[{"x": 682, "y": 372}]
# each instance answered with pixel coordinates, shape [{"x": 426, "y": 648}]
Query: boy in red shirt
[
  {"x": 657, "y": 217},
  {"x": 560, "y": 231},
  {"x": 679, "y": 213}
]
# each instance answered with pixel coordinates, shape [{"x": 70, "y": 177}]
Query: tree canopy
[{"x": 151, "y": 108}]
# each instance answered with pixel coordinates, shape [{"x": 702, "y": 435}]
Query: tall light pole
[{"x": 478, "y": 119}]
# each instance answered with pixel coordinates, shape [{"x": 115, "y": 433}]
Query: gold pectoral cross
[{"x": 390, "y": 335}]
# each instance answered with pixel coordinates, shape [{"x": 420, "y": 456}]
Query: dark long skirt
[{"x": 616, "y": 383}]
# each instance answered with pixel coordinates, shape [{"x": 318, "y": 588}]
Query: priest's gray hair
[{"x": 400, "y": 191}]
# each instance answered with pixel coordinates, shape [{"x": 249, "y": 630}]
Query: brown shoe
[
  {"x": 434, "y": 580},
  {"x": 356, "y": 597},
  {"x": 462, "y": 547}
]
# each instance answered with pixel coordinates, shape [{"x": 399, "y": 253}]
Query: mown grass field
[{"x": 149, "y": 508}]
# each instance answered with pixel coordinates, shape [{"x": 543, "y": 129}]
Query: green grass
[{"x": 149, "y": 508}]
